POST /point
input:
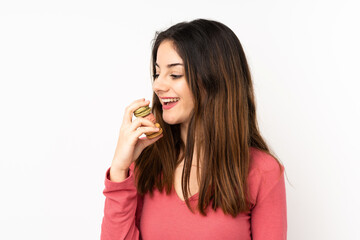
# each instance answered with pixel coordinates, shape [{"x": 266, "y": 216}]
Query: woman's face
[{"x": 171, "y": 87}]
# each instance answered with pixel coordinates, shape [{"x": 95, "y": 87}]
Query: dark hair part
[{"x": 223, "y": 124}]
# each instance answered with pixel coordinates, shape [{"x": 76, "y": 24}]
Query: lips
[
  {"x": 169, "y": 105},
  {"x": 168, "y": 102}
]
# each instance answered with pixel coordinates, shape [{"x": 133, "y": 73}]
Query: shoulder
[
  {"x": 263, "y": 162},
  {"x": 265, "y": 172}
]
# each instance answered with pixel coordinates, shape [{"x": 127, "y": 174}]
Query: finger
[
  {"x": 129, "y": 110},
  {"x": 144, "y": 142},
  {"x": 141, "y": 122},
  {"x": 143, "y": 130}
]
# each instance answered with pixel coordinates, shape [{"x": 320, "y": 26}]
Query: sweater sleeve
[
  {"x": 269, "y": 215},
  {"x": 122, "y": 209}
]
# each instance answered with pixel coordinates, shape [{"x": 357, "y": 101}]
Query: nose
[{"x": 160, "y": 84}]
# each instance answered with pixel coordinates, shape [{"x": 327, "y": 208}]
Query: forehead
[{"x": 167, "y": 54}]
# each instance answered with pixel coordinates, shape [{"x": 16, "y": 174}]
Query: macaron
[
  {"x": 154, "y": 134},
  {"x": 142, "y": 111},
  {"x": 145, "y": 112},
  {"x": 151, "y": 117}
]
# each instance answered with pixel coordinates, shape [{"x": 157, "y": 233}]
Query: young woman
[{"x": 210, "y": 174}]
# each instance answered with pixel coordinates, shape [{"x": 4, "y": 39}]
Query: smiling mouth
[{"x": 170, "y": 101}]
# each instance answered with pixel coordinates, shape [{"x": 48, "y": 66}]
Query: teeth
[{"x": 170, "y": 100}]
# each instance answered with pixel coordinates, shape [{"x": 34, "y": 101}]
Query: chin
[{"x": 170, "y": 120}]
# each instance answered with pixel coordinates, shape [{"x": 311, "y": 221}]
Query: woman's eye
[
  {"x": 174, "y": 76},
  {"x": 155, "y": 76}
]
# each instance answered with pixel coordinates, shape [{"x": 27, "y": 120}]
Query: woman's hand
[{"x": 129, "y": 144}]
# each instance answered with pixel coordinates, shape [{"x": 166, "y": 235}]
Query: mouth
[{"x": 169, "y": 101}]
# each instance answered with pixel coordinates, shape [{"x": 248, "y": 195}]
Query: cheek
[
  {"x": 189, "y": 101},
  {"x": 185, "y": 91}
]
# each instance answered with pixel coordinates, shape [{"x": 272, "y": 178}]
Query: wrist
[{"x": 118, "y": 175}]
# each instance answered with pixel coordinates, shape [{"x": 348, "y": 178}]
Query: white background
[{"x": 69, "y": 68}]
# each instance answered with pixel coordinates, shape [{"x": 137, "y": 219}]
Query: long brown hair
[{"x": 223, "y": 123}]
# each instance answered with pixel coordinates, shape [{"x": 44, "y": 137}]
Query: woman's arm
[
  {"x": 122, "y": 209},
  {"x": 120, "y": 191},
  {"x": 269, "y": 215}
]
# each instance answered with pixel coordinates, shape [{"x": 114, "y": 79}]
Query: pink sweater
[{"x": 129, "y": 216}]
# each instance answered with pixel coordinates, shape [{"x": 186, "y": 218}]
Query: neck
[{"x": 184, "y": 130}]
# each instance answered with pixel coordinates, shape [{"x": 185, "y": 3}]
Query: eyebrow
[{"x": 171, "y": 65}]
